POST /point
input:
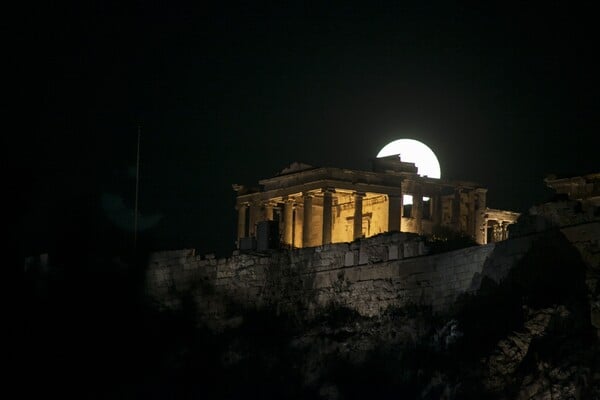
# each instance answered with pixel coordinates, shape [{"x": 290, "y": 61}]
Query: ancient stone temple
[
  {"x": 585, "y": 189},
  {"x": 306, "y": 206}
]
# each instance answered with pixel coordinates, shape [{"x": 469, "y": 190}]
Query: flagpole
[{"x": 137, "y": 190}]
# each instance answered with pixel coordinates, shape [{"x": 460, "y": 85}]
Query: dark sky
[{"x": 233, "y": 94}]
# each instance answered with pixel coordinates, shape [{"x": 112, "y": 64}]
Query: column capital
[
  {"x": 328, "y": 190},
  {"x": 242, "y": 204},
  {"x": 359, "y": 194},
  {"x": 288, "y": 199},
  {"x": 308, "y": 194}
]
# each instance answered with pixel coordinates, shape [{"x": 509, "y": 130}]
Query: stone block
[
  {"x": 264, "y": 261},
  {"x": 190, "y": 266},
  {"x": 582, "y": 233},
  {"x": 393, "y": 252},
  {"x": 410, "y": 250},
  {"x": 363, "y": 257},
  {"x": 322, "y": 280},
  {"x": 247, "y": 262},
  {"x": 352, "y": 274}
]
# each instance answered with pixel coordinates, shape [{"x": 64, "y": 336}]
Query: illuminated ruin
[{"x": 306, "y": 206}]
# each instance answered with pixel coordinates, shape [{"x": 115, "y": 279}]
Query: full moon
[{"x": 416, "y": 152}]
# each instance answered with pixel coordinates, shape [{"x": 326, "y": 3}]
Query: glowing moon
[{"x": 416, "y": 152}]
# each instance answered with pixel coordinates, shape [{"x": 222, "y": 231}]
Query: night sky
[{"x": 233, "y": 94}]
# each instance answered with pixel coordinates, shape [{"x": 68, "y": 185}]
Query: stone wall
[{"x": 367, "y": 275}]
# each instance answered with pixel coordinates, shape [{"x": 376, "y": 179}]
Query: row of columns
[
  {"x": 249, "y": 215},
  {"x": 475, "y": 205},
  {"x": 394, "y": 215},
  {"x": 327, "y": 224},
  {"x": 500, "y": 230},
  {"x": 307, "y": 201}
]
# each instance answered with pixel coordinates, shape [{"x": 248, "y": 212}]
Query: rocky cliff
[{"x": 512, "y": 320}]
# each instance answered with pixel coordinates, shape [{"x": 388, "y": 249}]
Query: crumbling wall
[{"x": 368, "y": 275}]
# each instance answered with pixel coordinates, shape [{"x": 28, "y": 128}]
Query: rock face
[
  {"x": 510, "y": 352},
  {"x": 516, "y": 319}
]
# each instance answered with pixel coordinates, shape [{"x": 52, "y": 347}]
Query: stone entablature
[
  {"x": 315, "y": 206},
  {"x": 578, "y": 203},
  {"x": 584, "y": 188}
]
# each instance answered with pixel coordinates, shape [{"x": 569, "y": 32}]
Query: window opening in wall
[
  {"x": 426, "y": 208},
  {"x": 407, "y": 201}
]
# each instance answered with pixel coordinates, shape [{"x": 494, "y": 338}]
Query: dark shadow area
[
  {"x": 89, "y": 325},
  {"x": 551, "y": 274},
  {"x": 444, "y": 239}
]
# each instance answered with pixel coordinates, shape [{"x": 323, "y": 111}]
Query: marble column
[
  {"x": 394, "y": 213},
  {"x": 327, "y": 214},
  {"x": 472, "y": 215},
  {"x": 456, "y": 210},
  {"x": 254, "y": 218},
  {"x": 436, "y": 209},
  {"x": 268, "y": 211},
  {"x": 485, "y": 230},
  {"x": 505, "y": 230},
  {"x": 307, "y": 220},
  {"x": 358, "y": 203},
  {"x": 288, "y": 220},
  {"x": 418, "y": 209},
  {"x": 242, "y": 209},
  {"x": 497, "y": 231},
  {"x": 480, "y": 220}
]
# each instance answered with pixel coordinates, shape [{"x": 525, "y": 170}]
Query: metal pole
[{"x": 137, "y": 190}]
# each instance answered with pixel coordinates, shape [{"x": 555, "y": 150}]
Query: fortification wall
[{"x": 367, "y": 275}]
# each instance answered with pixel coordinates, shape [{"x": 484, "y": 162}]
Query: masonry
[
  {"x": 371, "y": 274},
  {"x": 368, "y": 275}
]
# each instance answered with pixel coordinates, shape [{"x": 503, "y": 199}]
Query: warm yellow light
[{"x": 413, "y": 151}]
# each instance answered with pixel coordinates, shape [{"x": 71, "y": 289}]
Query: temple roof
[{"x": 295, "y": 167}]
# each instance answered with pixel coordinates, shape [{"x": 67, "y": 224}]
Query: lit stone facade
[
  {"x": 314, "y": 206},
  {"x": 497, "y": 222}
]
